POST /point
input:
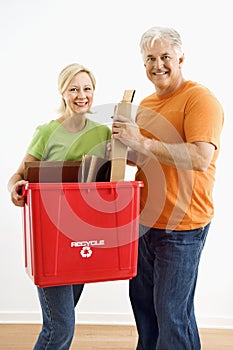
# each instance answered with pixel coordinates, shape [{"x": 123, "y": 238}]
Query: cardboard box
[
  {"x": 90, "y": 169},
  {"x": 59, "y": 171}
]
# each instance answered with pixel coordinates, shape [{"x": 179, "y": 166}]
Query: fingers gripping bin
[{"x": 81, "y": 232}]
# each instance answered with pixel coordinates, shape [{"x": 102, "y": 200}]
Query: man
[{"x": 176, "y": 137}]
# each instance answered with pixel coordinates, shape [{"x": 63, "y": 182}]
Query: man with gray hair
[{"x": 176, "y": 139}]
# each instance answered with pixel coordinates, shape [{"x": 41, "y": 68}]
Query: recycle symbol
[{"x": 86, "y": 252}]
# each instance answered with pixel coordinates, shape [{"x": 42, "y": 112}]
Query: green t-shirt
[{"x": 52, "y": 142}]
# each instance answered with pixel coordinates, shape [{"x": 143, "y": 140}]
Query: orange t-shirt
[{"x": 173, "y": 198}]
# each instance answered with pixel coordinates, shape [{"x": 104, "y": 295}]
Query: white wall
[{"x": 38, "y": 38}]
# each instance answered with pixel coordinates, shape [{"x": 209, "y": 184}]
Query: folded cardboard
[
  {"x": 59, "y": 171},
  {"x": 118, "y": 149}
]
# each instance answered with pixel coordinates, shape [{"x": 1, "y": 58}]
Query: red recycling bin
[{"x": 81, "y": 232}]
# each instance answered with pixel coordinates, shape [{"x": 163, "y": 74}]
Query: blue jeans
[
  {"x": 162, "y": 293},
  {"x": 58, "y": 304}
]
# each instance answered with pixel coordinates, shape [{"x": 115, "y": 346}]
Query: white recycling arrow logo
[{"x": 86, "y": 252}]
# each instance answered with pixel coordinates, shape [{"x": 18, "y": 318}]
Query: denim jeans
[
  {"x": 58, "y": 304},
  {"x": 162, "y": 293}
]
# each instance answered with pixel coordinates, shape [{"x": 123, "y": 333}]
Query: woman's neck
[{"x": 74, "y": 123}]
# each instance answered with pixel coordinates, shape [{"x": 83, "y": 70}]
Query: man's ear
[{"x": 181, "y": 60}]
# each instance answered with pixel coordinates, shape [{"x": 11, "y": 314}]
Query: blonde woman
[{"x": 66, "y": 138}]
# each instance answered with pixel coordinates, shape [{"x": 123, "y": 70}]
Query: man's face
[{"x": 163, "y": 66}]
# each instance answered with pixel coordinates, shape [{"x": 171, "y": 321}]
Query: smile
[
  {"x": 80, "y": 104},
  {"x": 159, "y": 73}
]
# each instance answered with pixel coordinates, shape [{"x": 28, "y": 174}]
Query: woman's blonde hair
[{"x": 65, "y": 77}]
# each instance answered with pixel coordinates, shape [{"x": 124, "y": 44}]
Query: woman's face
[{"x": 79, "y": 94}]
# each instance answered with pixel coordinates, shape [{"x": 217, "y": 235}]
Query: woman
[{"x": 66, "y": 138}]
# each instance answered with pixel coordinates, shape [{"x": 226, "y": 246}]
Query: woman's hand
[{"x": 16, "y": 192}]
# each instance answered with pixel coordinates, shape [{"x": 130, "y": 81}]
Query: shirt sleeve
[
  {"x": 38, "y": 143},
  {"x": 203, "y": 119}
]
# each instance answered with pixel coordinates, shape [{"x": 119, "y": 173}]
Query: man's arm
[{"x": 190, "y": 156}]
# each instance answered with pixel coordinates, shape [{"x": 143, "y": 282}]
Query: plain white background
[{"x": 37, "y": 39}]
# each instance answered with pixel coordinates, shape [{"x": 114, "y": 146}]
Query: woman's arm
[{"x": 16, "y": 182}]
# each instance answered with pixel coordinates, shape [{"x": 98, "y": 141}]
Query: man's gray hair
[{"x": 157, "y": 33}]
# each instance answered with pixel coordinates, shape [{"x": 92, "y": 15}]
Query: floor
[{"x": 100, "y": 337}]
